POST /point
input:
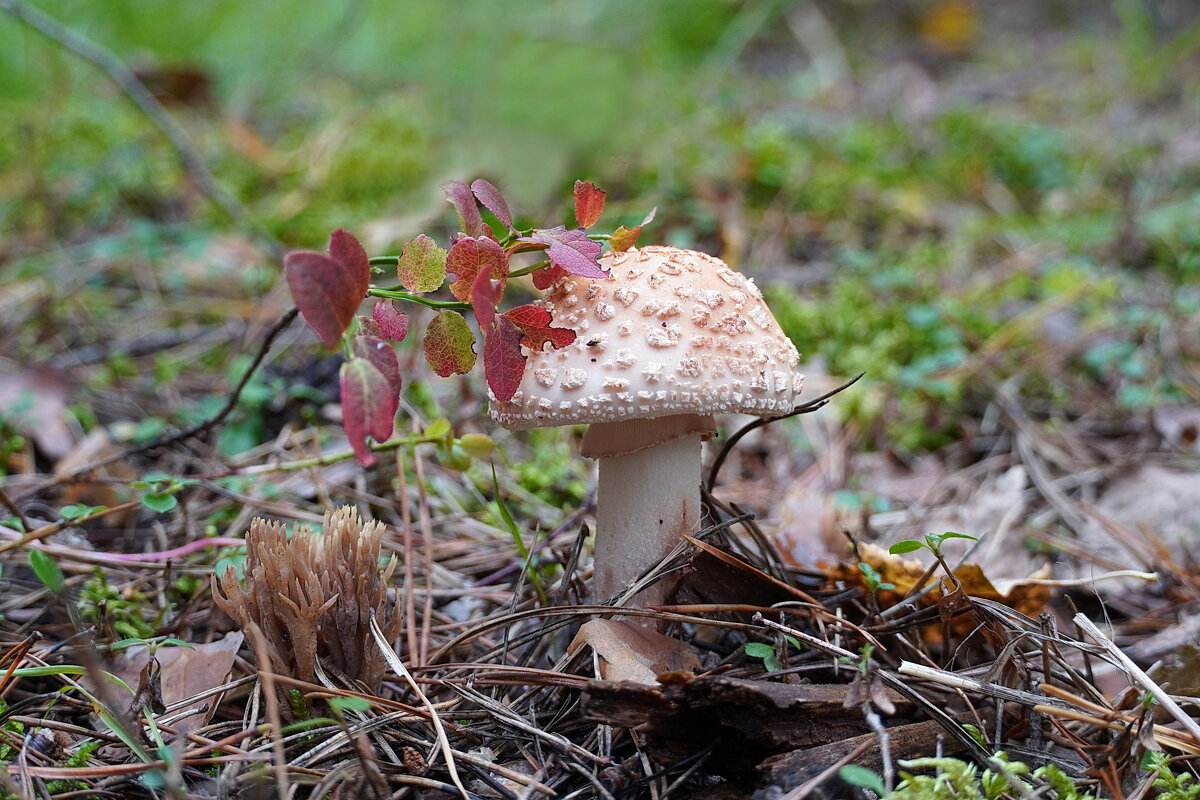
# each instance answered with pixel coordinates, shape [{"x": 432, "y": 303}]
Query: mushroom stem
[{"x": 645, "y": 501}]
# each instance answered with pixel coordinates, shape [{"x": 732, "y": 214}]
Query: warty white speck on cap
[{"x": 670, "y": 331}]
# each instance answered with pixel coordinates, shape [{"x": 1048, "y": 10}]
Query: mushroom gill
[{"x": 312, "y": 595}]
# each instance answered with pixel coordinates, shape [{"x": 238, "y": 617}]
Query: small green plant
[
  {"x": 46, "y": 570},
  {"x": 159, "y": 491},
  {"x": 152, "y": 645},
  {"x": 873, "y": 580},
  {"x": 933, "y": 543},
  {"x": 770, "y": 653},
  {"x": 122, "y": 613},
  {"x": 864, "y": 778},
  {"x": 1173, "y": 785},
  {"x": 765, "y": 652}
]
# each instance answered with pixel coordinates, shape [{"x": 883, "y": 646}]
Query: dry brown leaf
[
  {"x": 104, "y": 489},
  {"x": 34, "y": 401},
  {"x": 184, "y": 673},
  {"x": 1029, "y": 596},
  {"x": 632, "y": 653},
  {"x": 1154, "y": 499}
]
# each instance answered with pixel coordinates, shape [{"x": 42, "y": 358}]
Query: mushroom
[{"x": 670, "y": 338}]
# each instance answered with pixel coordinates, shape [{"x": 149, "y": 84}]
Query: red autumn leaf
[
  {"x": 589, "y": 203},
  {"x": 503, "y": 363},
  {"x": 449, "y": 344},
  {"x": 369, "y": 406},
  {"x": 349, "y": 252},
  {"x": 492, "y": 200},
  {"x": 392, "y": 322},
  {"x": 382, "y": 357},
  {"x": 460, "y": 195},
  {"x": 534, "y": 324},
  {"x": 624, "y": 238},
  {"x": 545, "y": 277},
  {"x": 422, "y": 265},
  {"x": 468, "y": 257},
  {"x": 369, "y": 327},
  {"x": 485, "y": 296},
  {"x": 570, "y": 249},
  {"x": 326, "y": 291}
]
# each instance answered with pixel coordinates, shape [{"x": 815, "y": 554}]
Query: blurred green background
[{"x": 950, "y": 195}]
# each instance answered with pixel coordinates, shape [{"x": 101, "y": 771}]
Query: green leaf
[
  {"x": 176, "y": 642},
  {"x": 449, "y": 344},
  {"x": 759, "y": 650},
  {"x": 46, "y": 570},
  {"x": 438, "y": 428},
  {"x": 906, "y": 546},
  {"x": 872, "y": 578},
  {"x": 862, "y": 777},
  {"x": 159, "y": 502},
  {"x": 422, "y": 265},
  {"x": 952, "y": 535},
  {"x": 130, "y": 642},
  {"x": 477, "y": 445},
  {"x": 74, "y": 512},
  {"x": 351, "y": 703}
]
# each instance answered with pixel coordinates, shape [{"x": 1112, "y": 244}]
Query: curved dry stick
[{"x": 806, "y": 408}]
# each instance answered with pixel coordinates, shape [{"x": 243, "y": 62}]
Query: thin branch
[
  {"x": 129, "y": 83},
  {"x": 807, "y": 408}
]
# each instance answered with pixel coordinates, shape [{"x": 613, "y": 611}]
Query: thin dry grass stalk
[{"x": 312, "y": 596}]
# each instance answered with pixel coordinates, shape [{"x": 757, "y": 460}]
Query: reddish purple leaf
[
  {"x": 570, "y": 249},
  {"x": 449, "y": 344},
  {"x": 534, "y": 323},
  {"x": 503, "y": 363},
  {"x": 464, "y": 203},
  {"x": 544, "y": 278},
  {"x": 369, "y": 406},
  {"x": 382, "y": 357},
  {"x": 324, "y": 291},
  {"x": 468, "y": 257},
  {"x": 347, "y": 251},
  {"x": 589, "y": 203},
  {"x": 485, "y": 296},
  {"x": 329, "y": 288},
  {"x": 492, "y": 200},
  {"x": 422, "y": 265},
  {"x": 392, "y": 322}
]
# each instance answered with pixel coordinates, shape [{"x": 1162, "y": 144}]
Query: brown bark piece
[{"x": 753, "y": 719}]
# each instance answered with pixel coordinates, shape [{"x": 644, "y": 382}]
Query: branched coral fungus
[{"x": 312, "y": 595}]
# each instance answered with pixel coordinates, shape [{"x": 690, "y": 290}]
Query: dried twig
[{"x": 129, "y": 83}]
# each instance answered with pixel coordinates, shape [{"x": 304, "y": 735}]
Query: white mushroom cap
[{"x": 669, "y": 332}]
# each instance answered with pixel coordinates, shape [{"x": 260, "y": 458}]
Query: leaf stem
[
  {"x": 393, "y": 294},
  {"x": 516, "y": 273},
  {"x": 383, "y": 261}
]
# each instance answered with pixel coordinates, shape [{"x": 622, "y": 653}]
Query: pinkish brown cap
[{"x": 669, "y": 332}]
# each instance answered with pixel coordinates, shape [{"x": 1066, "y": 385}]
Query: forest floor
[{"x": 988, "y": 543}]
